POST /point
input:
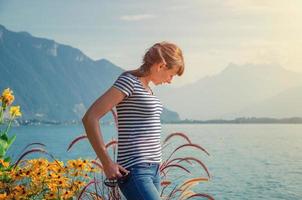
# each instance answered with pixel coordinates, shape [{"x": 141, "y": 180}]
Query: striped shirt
[{"x": 139, "y": 127}]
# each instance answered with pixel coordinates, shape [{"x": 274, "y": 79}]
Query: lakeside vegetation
[
  {"x": 46, "y": 177},
  {"x": 240, "y": 120}
]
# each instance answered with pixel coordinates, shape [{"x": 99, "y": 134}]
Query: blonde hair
[{"x": 164, "y": 52}]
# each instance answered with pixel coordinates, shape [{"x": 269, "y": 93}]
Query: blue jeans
[{"x": 142, "y": 183}]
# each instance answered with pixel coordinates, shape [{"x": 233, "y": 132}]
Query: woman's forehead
[{"x": 174, "y": 69}]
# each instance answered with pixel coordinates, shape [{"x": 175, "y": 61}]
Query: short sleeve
[{"x": 125, "y": 84}]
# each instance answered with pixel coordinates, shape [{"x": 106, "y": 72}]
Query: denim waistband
[{"x": 148, "y": 165}]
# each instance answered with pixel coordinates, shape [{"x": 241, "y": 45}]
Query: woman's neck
[
  {"x": 143, "y": 77},
  {"x": 145, "y": 81}
]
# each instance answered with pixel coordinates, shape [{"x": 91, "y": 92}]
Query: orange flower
[
  {"x": 7, "y": 97},
  {"x": 3, "y": 163},
  {"x": 3, "y": 196}
]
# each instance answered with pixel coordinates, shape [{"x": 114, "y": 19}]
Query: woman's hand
[{"x": 113, "y": 170}]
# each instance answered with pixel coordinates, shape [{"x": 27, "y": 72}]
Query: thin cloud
[
  {"x": 178, "y": 7},
  {"x": 137, "y": 17}
]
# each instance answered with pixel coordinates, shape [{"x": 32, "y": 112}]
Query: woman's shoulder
[
  {"x": 128, "y": 75},
  {"x": 127, "y": 79}
]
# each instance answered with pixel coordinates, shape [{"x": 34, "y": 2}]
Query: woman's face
[{"x": 161, "y": 74}]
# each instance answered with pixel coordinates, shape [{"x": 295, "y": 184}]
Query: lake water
[{"x": 246, "y": 161}]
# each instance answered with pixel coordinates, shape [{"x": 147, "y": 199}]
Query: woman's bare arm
[{"x": 91, "y": 124}]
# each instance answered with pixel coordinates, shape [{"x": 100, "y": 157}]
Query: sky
[{"x": 211, "y": 33}]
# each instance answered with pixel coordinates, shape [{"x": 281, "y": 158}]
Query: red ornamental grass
[
  {"x": 184, "y": 136},
  {"x": 86, "y": 187},
  {"x": 102, "y": 192},
  {"x": 111, "y": 143},
  {"x": 32, "y": 144},
  {"x": 76, "y": 140},
  {"x": 34, "y": 150},
  {"x": 97, "y": 164},
  {"x": 182, "y": 191},
  {"x": 165, "y": 183},
  {"x": 188, "y": 159},
  {"x": 175, "y": 165},
  {"x": 189, "y": 183},
  {"x": 201, "y": 195},
  {"x": 84, "y": 136},
  {"x": 189, "y": 145}
]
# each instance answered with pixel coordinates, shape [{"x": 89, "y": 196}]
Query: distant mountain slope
[
  {"x": 52, "y": 81},
  {"x": 285, "y": 104},
  {"x": 230, "y": 91}
]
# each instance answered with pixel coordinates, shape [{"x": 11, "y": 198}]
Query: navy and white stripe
[{"x": 139, "y": 127}]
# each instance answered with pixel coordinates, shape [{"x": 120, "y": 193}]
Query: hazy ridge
[{"x": 52, "y": 81}]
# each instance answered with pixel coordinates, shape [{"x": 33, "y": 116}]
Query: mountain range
[
  {"x": 249, "y": 90},
  {"x": 53, "y": 81}
]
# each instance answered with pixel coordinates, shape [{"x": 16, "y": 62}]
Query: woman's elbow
[
  {"x": 86, "y": 118},
  {"x": 89, "y": 117}
]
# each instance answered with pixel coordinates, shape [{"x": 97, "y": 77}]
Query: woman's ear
[
  {"x": 158, "y": 67},
  {"x": 161, "y": 66}
]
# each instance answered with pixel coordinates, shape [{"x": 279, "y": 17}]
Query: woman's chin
[{"x": 157, "y": 83}]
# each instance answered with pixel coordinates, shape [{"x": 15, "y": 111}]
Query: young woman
[{"x": 139, "y": 128}]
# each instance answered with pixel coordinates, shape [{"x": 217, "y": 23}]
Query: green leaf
[
  {"x": 10, "y": 167},
  {"x": 7, "y": 159},
  {"x": 3, "y": 144},
  {"x": 4, "y": 137},
  {"x": 2, "y": 151},
  {"x": 6, "y": 178},
  {"x": 10, "y": 141}
]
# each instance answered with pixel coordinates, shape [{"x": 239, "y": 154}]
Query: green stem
[
  {"x": 9, "y": 125},
  {"x": 1, "y": 115}
]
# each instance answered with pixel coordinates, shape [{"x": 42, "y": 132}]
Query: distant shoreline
[{"x": 242, "y": 120}]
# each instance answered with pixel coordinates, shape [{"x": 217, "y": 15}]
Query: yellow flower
[
  {"x": 60, "y": 181},
  {"x": 7, "y": 91},
  {"x": 17, "y": 174},
  {"x": 3, "y": 196},
  {"x": 79, "y": 184},
  {"x": 36, "y": 175},
  {"x": 66, "y": 194},
  {"x": 93, "y": 169},
  {"x": 39, "y": 175},
  {"x": 2, "y": 185},
  {"x": 53, "y": 187},
  {"x": 51, "y": 195},
  {"x": 3, "y": 163},
  {"x": 86, "y": 176},
  {"x": 38, "y": 163},
  {"x": 7, "y": 97},
  {"x": 76, "y": 164},
  {"x": 57, "y": 167},
  {"x": 19, "y": 192},
  {"x": 15, "y": 111}
]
